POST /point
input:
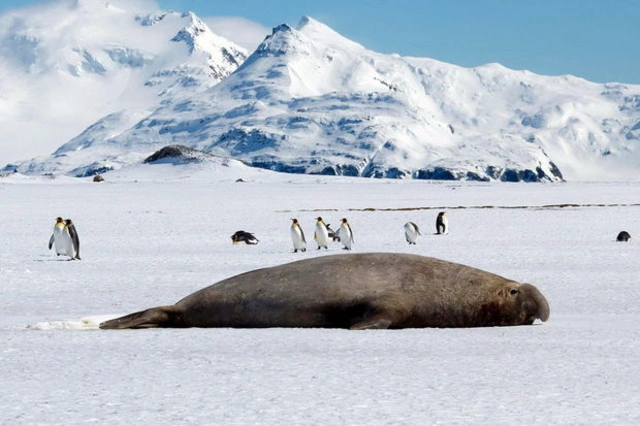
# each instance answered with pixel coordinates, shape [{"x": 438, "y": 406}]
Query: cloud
[{"x": 244, "y": 32}]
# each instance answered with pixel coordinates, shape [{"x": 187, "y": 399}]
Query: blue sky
[{"x": 595, "y": 39}]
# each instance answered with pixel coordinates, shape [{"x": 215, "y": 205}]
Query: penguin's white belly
[
  {"x": 345, "y": 236},
  {"x": 298, "y": 241},
  {"x": 322, "y": 236},
  {"x": 69, "y": 249},
  {"x": 59, "y": 240}
]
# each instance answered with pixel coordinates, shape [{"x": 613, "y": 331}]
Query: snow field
[{"x": 146, "y": 242}]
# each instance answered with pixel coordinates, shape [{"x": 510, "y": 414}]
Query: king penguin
[
  {"x": 57, "y": 237},
  {"x": 71, "y": 240},
  {"x": 411, "y": 232},
  {"x": 322, "y": 234},
  {"x": 345, "y": 234},
  {"x": 442, "y": 225},
  {"x": 297, "y": 236}
]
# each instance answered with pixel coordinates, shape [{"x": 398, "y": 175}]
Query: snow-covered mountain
[
  {"x": 66, "y": 64},
  {"x": 309, "y": 100}
]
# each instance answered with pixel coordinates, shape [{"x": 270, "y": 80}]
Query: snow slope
[
  {"x": 308, "y": 100},
  {"x": 147, "y": 240},
  {"x": 65, "y": 64}
]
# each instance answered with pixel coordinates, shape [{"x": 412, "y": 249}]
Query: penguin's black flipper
[{"x": 162, "y": 316}]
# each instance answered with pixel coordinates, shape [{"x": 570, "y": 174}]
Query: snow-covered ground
[{"x": 148, "y": 240}]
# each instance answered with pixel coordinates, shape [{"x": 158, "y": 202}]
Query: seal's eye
[{"x": 514, "y": 291}]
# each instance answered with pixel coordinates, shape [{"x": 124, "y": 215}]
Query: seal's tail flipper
[{"x": 162, "y": 316}]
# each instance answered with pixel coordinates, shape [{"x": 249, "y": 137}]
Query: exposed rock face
[{"x": 175, "y": 154}]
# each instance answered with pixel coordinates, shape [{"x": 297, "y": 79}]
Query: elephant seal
[{"x": 356, "y": 291}]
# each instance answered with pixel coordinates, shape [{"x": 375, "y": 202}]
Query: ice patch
[{"x": 86, "y": 323}]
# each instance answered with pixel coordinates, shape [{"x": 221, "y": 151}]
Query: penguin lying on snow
[{"x": 244, "y": 237}]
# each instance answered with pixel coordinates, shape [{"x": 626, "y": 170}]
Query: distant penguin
[
  {"x": 71, "y": 240},
  {"x": 322, "y": 234},
  {"x": 244, "y": 237},
  {"x": 333, "y": 235},
  {"x": 411, "y": 232},
  {"x": 57, "y": 238},
  {"x": 623, "y": 236},
  {"x": 345, "y": 234},
  {"x": 442, "y": 225},
  {"x": 297, "y": 236}
]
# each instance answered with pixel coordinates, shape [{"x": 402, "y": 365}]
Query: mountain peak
[
  {"x": 282, "y": 28},
  {"x": 310, "y": 42},
  {"x": 322, "y": 33},
  {"x": 308, "y": 21},
  {"x": 277, "y": 43},
  {"x": 190, "y": 33}
]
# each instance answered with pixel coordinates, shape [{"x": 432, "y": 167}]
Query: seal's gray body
[{"x": 371, "y": 290}]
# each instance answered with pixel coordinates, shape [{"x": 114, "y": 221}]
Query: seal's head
[{"x": 521, "y": 304}]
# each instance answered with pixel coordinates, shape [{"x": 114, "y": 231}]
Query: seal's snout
[
  {"x": 535, "y": 298},
  {"x": 543, "y": 309}
]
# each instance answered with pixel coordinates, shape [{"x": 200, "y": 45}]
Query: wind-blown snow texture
[
  {"x": 148, "y": 240},
  {"x": 309, "y": 100}
]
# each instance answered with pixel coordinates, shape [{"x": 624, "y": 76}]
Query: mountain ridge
[{"x": 308, "y": 100}]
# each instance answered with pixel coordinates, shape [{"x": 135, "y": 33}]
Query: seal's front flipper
[
  {"x": 372, "y": 323},
  {"x": 162, "y": 316}
]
